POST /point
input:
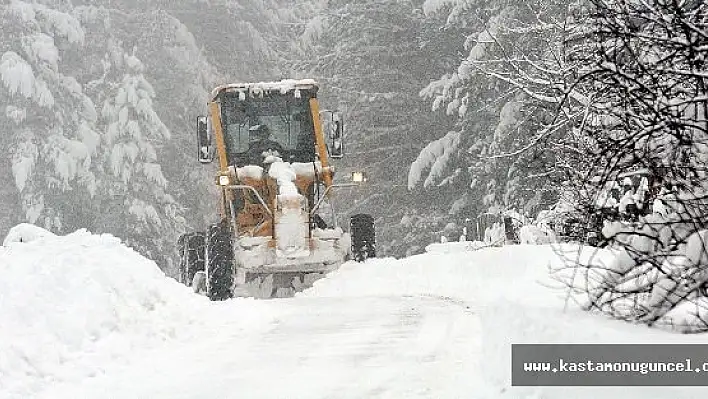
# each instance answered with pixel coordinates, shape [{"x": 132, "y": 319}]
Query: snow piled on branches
[
  {"x": 655, "y": 276},
  {"x": 51, "y": 130},
  {"x": 435, "y": 156}
]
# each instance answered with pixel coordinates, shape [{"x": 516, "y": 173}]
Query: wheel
[
  {"x": 219, "y": 261},
  {"x": 191, "y": 250},
  {"x": 363, "y": 237}
]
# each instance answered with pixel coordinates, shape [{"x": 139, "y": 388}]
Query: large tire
[
  {"x": 363, "y": 237},
  {"x": 191, "y": 251},
  {"x": 219, "y": 260}
]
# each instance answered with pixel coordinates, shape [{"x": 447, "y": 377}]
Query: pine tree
[
  {"x": 506, "y": 92},
  {"x": 135, "y": 205},
  {"x": 51, "y": 135}
]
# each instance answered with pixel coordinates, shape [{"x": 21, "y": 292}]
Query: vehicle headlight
[
  {"x": 224, "y": 180},
  {"x": 358, "y": 177}
]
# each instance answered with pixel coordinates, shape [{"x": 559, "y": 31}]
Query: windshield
[{"x": 288, "y": 120}]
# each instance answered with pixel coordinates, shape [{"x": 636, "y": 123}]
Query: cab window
[{"x": 288, "y": 119}]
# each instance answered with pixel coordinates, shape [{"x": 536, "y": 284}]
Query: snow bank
[
  {"x": 69, "y": 304},
  {"x": 531, "y": 234},
  {"x": 477, "y": 276},
  {"x": 453, "y": 247},
  {"x": 517, "y": 299},
  {"x": 25, "y": 232}
]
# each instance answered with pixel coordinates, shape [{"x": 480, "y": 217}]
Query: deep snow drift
[
  {"x": 70, "y": 304},
  {"x": 84, "y": 316}
]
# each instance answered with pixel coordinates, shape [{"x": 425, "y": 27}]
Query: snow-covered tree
[
  {"x": 64, "y": 69},
  {"x": 71, "y": 166},
  {"x": 135, "y": 204},
  {"x": 506, "y": 93},
  {"x": 641, "y": 65},
  {"x": 170, "y": 53},
  {"x": 49, "y": 121}
]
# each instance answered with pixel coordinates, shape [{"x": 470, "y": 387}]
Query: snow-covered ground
[
  {"x": 82, "y": 316},
  {"x": 310, "y": 348},
  {"x": 71, "y": 305}
]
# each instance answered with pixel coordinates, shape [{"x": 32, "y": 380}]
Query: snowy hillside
[{"x": 83, "y": 315}]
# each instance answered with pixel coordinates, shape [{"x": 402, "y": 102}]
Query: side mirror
[
  {"x": 203, "y": 140},
  {"x": 333, "y": 126},
  {"x": 336, "y": 136}
]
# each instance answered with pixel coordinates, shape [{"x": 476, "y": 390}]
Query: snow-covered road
[
  {"x": 84, "y": 317},
  {"x": 398, "y": 347}
]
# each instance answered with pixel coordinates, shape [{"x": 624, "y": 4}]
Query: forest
[{"x": 454, "y": 108}]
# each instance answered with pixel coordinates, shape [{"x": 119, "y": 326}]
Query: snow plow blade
[{"x": 275, "y": 285}]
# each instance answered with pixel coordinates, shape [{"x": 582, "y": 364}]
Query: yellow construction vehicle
[{"x": 274, "y": 148}]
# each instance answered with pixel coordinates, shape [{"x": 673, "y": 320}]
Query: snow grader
[{"x": 274, "y": 149}]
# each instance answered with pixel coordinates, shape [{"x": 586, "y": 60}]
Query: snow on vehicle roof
[{"x": 282, "y": 86}]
